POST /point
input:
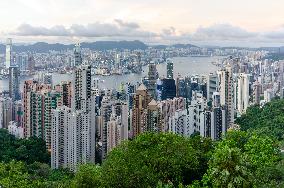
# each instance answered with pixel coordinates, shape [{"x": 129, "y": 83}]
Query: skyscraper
[
  {"x": 31, "y": 63},
  {"x": 6, "y": 111},
  {"x": 77, "y": 55},
  {"x": 168, "y": 89},
  {"x": 152, "y": 79},
  {"x": 9, "y": 57},
  {"x": 117, "y": 126},
  {"x": 256, "y": 93},
  {"x": 14, "y": 91},
  {"x": 243, "y": 93},
  {"x": 66, "y": 93},
  {"x": 226, "y": 93},
  {"x": 39, "y": 100},
  {"x": 81, "y": 83},
  {"x": 153, "y": 118},
  {"x": 139, "y": 112},
  {"x": 106, "y": 112},
  {"x": 212, "y": 85},
  {"x": 170, "y": 69},
  {"x": 70, "y": 140}
]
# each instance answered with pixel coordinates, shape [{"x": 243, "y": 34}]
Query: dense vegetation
[
  {"x": 268, "y": 120},
  {"x": 246, "y": 158},
  {"x": 26, "y": 150}
]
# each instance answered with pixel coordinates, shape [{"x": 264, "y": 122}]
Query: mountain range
[{"x": 41, "y": 47}]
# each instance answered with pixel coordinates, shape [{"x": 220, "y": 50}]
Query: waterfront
[{"x": 182, "y": 65}]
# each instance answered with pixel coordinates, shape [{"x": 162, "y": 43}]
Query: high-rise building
[
  {"x": 39, "y": 100},
  {"x": 152, "y": 79},
  {"x": 167, "y": 110},
  {"x": 226, "y": 93},
  {"x": 184, "y": 87},
  {"x": 47, "y": 78},
  {"x": 139, "y": 111},
  {"x": 243, "y": 93},
  {"x": 179, "y": 123},
  {"x": 31, "y": 63},
  {"x": 117, "y": 126},
  {"x": 71, "y": 139},
  {"x": 9, "y": 56},
  {"x": 106, "y": 112},
  {"x": 66, "y": 93},
  {"x": 159, "y": 89},
  {"x": 153, "y": 118},
  {"x": 6, "y": 111},
  {"x": 168, "y": 89},
  {"x": 34, "y": 105},
  {"x": 81, "y": 83},
  {"x": 256, "y": 93},
  {"x": 212, "y": 85},
  {"x": 14, "y": 91},
  {"x": 213, "y": 123},
  {"x": 197, "y": 106},
  {"x": 268, "y": 95},
  {"x": 78, "y": 55},
  {"x": 170, "y": 69},
  {"x": 19, "y": 113}
]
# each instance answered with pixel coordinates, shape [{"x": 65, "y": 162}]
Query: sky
[{"x": 251, "y": 23}]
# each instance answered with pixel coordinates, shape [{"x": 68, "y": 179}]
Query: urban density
[
  {"x": 76, "y": 118},
  {"x": 126, "y": 94}
]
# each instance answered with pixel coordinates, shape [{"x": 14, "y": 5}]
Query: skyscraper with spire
[{"x": 8, "y": 53}]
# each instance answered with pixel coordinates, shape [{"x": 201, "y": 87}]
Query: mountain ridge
[{"x": 42, "y": 47}]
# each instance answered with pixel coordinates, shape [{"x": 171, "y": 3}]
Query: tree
[
  {"x": 268, "y": 120},
  {"x": 27, "y": 150},
  {"x": 241, "y": 160},
  {"x": 151, "y": 158},
  {"x": 229, "y": 168},
  {"x": 14, "y": 174},
  {"x": 88, "y": 176}
]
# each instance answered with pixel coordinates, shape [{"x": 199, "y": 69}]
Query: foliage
[
  {"x": 88, "y": 176},
  {"x": 26, "y": 150},
  {"x": 14, "y": 174},
  {"x": 151, "y": 158},
  {"x": 18, "y": 174},
  {"x": 268, "y": 120},
  {"x": 241, "y": 159}
]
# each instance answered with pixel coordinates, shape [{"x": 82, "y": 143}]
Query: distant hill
[{"x": 41, "y": 47}]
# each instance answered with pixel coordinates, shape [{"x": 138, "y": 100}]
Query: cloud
[
  {"x": 275, "y": 35},
  {"x": 222, "y": 32},
  {"x": 122, "y": 30},
  {"x": 132, "y": 25},
  {"x": 117, "y": 29},
  {"x": 28, "y": 30}
]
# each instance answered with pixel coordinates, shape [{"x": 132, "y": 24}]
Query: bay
[{"x": 183, "y": 66}]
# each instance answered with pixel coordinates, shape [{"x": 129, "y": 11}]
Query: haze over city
[{"x": 251, "y": 23}]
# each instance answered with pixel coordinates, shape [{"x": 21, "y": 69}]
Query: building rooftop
[{"x": 142, "y": 87}]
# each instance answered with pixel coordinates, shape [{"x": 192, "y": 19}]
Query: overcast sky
[{"x": 213, "y": 22}]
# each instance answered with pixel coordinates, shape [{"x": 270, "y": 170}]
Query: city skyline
[{"x": 224, "y": 23}]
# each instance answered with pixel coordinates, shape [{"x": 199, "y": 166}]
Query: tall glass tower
[
  {"x": 8, "y": 53},
  {"x": 170, "y": 69},
  {"x": 14, "y": 91}
]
